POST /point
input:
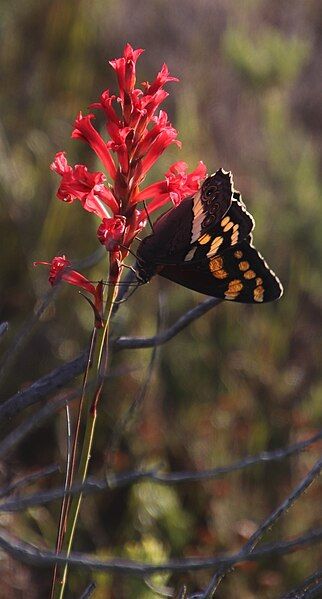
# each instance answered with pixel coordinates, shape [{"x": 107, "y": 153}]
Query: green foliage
[{"x": 266, "y": 58}]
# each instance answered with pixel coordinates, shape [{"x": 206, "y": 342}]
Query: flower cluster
[{"x": 138, "y": 135}]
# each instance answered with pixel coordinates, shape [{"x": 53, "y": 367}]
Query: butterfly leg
[{"x": 124, "y": 299}]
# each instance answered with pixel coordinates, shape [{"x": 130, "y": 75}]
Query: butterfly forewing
[
  {"x": 179, "y": 228},
  {"x": 211, "y": 203},
  {"x": 235, "y": 226},
  {"x": 205, "y": 244}
]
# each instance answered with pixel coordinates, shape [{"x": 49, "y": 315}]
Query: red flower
[
  {"x": 84, "y": 130},
  {"x": 125, "y": 69},
  {"x": 162, "y": 77},
  {"x": 111, "y": 232},
  {"x": 119, "y": 144},
  {"x": 60, "y": 269},
  {"x": 79, "y": 183},
  {"x": 178, "y": 184},
  {"x": 137, "y": 137},
  {"x": 106, "y": 105}
]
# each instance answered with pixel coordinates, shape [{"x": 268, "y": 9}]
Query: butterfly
[{"x": 205, "y": 243}]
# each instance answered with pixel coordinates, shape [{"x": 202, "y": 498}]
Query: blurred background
[{"x": 240, "y": 380}]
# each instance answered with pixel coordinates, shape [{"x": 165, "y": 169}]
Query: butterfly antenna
[{"x": 148, "y": 216}]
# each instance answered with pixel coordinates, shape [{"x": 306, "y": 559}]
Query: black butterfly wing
[
  {"x": 235, "y": 226},
  {"x": 176, "y": 231},
  {"x": 240, "y": 274}
]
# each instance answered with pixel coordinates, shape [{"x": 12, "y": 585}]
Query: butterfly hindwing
[{"x": 240, "y": 274}]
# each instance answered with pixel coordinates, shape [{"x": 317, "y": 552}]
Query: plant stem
[{"x": 90, "y": 408}]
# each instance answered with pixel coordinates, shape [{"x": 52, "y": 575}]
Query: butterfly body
[{"x": 205, "y": 244}]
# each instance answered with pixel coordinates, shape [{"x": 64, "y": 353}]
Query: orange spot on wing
[
  {"x": 204, "y": 239},
  {"x": 243, "y": 265}
]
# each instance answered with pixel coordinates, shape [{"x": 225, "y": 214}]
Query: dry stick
[
  {"x": 88, "y": 591},
  {"x": 24, "y": 333},
  {"x": 125, "y": 420},
  {"x": 249, "y": 547},
  {"x": 308, "y": 584},
  {"x": 29, "y": 479},
  {"x": 115, "y": 481},
  {"x": 71, "y": 464},
  {"x": 64, "y": 374},
  {"x": 4, "y": 327},
  {"x": 100, "y": 355},
  {"x": 27, "y": 328},
  {"x": 314, "y": 593},
  {"x": 164, "y": 336},
  {"x": 31, "y": 554},
  {"x": 21, "y": 431},
  {"x": 52, "y": 406},
  {"x": 56, "y": 379}
]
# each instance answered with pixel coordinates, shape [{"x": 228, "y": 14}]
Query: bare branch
[
  {"x": 177, "y": 327},
  {"x": 88, "y": 591},
  {"x": 4, "y": 327},
  {"x": 42, "y": 557},
  {"x": 123, "y": 424},
  {"x": 29, "y": 479},
  {"x": 62, "y": 375},
  {"x": 20, "y": 432},
  {"x": 41, "y": 388},
  {"x": 249, "y": 547},
  {"x": 27, "y": 328},
  {"x": 114, "y": 481},
  {"x": 24, "y": 333},
  {"x": 312, "y": 584}
]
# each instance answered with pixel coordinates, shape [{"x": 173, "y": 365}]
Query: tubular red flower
[
  {"x": 137, "y": 145},
  {"x": 84, "y": 130},
  {"x": 125, "y": 69},
  {"x": 111, "y": 232},
  {"x": 88, "y": 187},
  {"x": 162, "y": 77},
  {"x": 60, "y": 269},
  {"x": 178, "y": 184},
  {"x": 106, "y": 105},
  {"x": 119, "y": 145},
  {"x": 163, "y": 140}
]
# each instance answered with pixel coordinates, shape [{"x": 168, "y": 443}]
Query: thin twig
[
  {"x": 177, "y": 327},
  {"x": 138, "y": 401},
  {"x": 114, "y": 481},
  {"x": 66, "y": 373},
  {"x": 311, "y": 583},
  {"x": 4, "y": 327},
  {"x": 249, "y": 547},
  {"x": 60, "y": 532},
  {"x": 88, "y": 591},
  {"x": 20, "y": 432},
  {"x": 34, "y": 421},
  {"x": 28, "y": 479},
  {"x": 27, "y": 328},
  {"x": 42, "y": 557},
  {"x": 43, "y": 387},
  {"x": 24, "y": 333}
]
